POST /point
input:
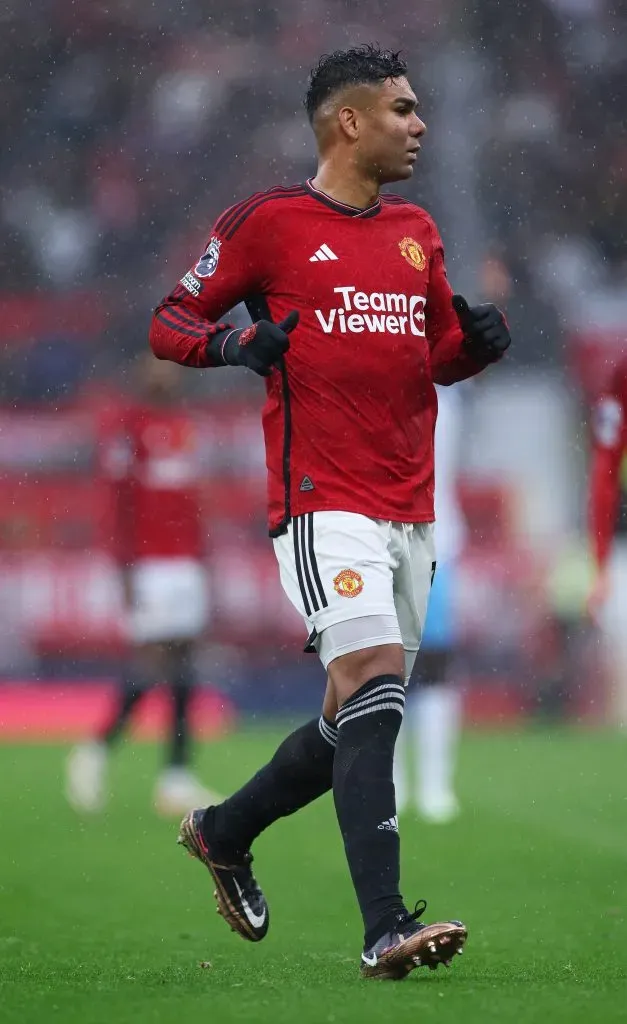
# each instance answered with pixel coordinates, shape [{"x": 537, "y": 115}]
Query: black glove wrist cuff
[{"x": 223, "y": 348}]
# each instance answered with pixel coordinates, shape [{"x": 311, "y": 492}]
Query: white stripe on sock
[
  {"x": 355, "y": 701},
  {"x": 388, "y": 706},
  {"x": 389, "y": 693},
  {"x": 328, "y": 733}
]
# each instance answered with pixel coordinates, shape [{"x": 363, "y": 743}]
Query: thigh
[
  {"x": 336, "y": 567},
  {"x": 412, "y": 585}
]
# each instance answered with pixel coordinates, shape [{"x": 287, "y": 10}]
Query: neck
[{"x": 346, "y": 184}]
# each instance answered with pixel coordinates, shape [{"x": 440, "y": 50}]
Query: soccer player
[
  {"x": 609, "y": 439},
  {"x": 426, "y": 747},
  {"x": 353, "y": 321},
  {"x": 153, "y": 463}
]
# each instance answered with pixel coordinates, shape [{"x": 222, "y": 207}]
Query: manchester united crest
[
  {"x": 348, "y": 583},
  {"x": 413, "y": 253}
]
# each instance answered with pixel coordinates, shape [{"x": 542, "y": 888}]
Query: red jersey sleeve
[
  {"x": 609, "y": 440},
  {"x": 227, "y": 272},
  {"x": 449, "y": 361}
]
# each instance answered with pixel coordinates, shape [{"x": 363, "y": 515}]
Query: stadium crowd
[{"x": 127, "y": 132}]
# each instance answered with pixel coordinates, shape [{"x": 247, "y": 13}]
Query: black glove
[
  {"x": 260, "y": 346},
  {"x": 486, "y": 334}
]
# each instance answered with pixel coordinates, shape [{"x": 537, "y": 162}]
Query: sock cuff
[
  {"x": 383, "y": 693},
  {"x": 328, "y": 730}
]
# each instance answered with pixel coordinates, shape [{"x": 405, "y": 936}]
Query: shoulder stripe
[
  {"x": 226, "y": 219},
  {"x": 236, "y": 223},
  {"x": 232, "y": 211},
  {"x": 225, "y": 216}
]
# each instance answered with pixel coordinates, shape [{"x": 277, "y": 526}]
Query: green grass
[{"x": 106, "y": 920}]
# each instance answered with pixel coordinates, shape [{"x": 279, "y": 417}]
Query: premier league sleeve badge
[{"x": 208, "y": 262}]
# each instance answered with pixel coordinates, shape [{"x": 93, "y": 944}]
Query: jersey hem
[{"x": 278, "y": 525}]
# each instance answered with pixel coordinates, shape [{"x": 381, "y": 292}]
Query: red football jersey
[
  {"x": 153, "y": 460},
  {"x": 349, "y": 420},
  {"x": 609, "y": 438}
]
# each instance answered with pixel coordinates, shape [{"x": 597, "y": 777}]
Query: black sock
[
  {"x": 363, "y": 790},
  {"x": 128, "y": 696},
  {"x": 183, "y": 681},
  {"x": 300, "y": 771},
  {"x": 180, "y": 736}
]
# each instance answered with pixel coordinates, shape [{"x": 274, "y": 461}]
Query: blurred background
[{"x": 126, "y": 128}]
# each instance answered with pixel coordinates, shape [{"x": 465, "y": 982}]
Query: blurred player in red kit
[
  {"x": 353, "y": 322},
  {"x": 607, "y": 602},
  {"x": 152, "y": 460}
]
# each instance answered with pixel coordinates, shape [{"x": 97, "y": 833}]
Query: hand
[
  {"x": 598, "y": 596},
  {"x": 486, "y": 334},
  {"x": 261, "y": 346}
]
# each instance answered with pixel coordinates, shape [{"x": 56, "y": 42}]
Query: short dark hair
[{"x": 361, "y": 64}]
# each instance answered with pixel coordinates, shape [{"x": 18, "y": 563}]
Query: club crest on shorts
[
  {"x": 208, "y": 262},
  {"x": 348, "y": 583},
  {"x": 413, "y": 252}
]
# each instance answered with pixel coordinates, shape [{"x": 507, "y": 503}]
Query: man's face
[{"x": 389, "y": 130}]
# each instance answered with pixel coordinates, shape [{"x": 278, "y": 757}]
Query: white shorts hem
[{"x": 360, "y": 645}]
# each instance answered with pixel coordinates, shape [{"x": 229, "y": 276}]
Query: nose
[{"x": 418, "y": 128}]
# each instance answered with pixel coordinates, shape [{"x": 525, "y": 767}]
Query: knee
[{"x": 352, "y": 671}]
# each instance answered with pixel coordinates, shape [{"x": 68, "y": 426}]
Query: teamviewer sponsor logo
[{"x": 377, "y": 312}]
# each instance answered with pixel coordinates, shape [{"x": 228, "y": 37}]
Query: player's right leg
[{"x": 341, "y": 571}]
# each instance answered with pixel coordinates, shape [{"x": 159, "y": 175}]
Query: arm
[
  {"x": 186, "y": 326},
  {"x": 449, "y": 360},
  {"x": 455, "y": 353}
]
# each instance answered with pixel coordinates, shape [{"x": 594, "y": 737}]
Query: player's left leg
[
  {"x": 220, "y": 836},
  {"x": 178, "y": 789}
]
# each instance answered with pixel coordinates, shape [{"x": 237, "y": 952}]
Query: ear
[{"x": 349, "y": 122}]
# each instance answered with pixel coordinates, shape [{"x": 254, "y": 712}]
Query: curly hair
[{"x": 367, "y": 64}]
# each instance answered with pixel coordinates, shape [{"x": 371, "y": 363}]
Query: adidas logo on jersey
[
  {"x": 306, "y": 484},
  {"x": 322, "y": 254},
  {"x": 377, "y": 312},
  {"x": 389, "y": 825}
]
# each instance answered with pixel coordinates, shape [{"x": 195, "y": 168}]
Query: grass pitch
[{"x": 106, "y": 920}]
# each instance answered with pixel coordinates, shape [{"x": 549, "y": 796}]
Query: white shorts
[
  {"x": 170, "y": 600},
  {"x": 341, "y": 567}
]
